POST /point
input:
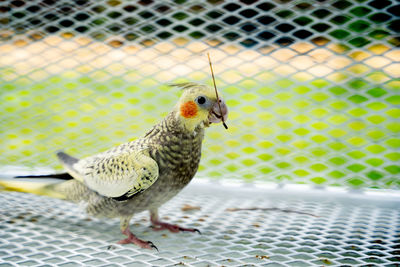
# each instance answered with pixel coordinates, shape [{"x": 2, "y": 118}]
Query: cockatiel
[{"x": 145, "y": 173}]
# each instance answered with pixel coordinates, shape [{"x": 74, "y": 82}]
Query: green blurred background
[{"x": 312, "y": 86}]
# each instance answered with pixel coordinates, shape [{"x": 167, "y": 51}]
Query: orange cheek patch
[{"x": 189, "y": 109}]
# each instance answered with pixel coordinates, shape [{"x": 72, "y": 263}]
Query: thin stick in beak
[{"x": 216, "y": 92}]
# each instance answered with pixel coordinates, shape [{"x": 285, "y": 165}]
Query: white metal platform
[{"x": 348, "y": 229}]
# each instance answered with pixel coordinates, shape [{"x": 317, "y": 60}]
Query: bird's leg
[
  {"x": 159, "y": 225},
  {"x": 131, "y": 238}
]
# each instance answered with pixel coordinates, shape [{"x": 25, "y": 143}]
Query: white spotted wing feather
[{"x": 116, "y": 172}]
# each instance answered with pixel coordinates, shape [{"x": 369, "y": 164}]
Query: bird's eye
[{"x": 201, "y": 100}]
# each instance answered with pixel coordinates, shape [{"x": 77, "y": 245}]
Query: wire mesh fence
[{"x": 312, "y": 86}]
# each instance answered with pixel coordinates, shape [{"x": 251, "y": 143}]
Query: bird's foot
[
  {"x": 132, "y": 239},
  {"x": 158, "y": 226}
]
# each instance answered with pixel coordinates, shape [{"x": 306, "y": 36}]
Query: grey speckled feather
[{"x": 175, "y": 150}]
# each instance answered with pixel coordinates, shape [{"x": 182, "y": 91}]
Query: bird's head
[{"x": 198, "y": 106}]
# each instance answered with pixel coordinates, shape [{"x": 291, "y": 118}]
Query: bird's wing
[{"x": 114, "y": 173}]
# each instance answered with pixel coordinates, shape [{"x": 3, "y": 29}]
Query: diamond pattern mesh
[
  {"x": 312, "y": 86},
  {"x": 352, "y": 230}
]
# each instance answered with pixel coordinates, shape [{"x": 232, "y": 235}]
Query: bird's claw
[
  {"x": 189, "y": 230},
  {"x": 158, "y": 226},
  {"x": 152, "y": 245},
  {"x": 197, "y": 231},
  {"x": 138, "y": 242},
  {"x": 132, "y": 239}
]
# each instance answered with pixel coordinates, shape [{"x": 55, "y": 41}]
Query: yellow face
[{"x": 198, "y": 106}]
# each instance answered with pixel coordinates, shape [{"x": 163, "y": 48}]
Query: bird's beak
[{"x": 215, "y": 115}]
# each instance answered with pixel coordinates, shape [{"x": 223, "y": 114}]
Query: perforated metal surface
[
  {"x": 352, "y": 229},
  {"x": 312, "y": 86}
]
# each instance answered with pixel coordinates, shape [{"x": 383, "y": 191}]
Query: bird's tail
[
  {"x": 62, "y": 176},
  {"x": 37, "y": 188}
]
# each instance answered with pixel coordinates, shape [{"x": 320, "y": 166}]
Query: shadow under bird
[{"x": 142, "y": 174}]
